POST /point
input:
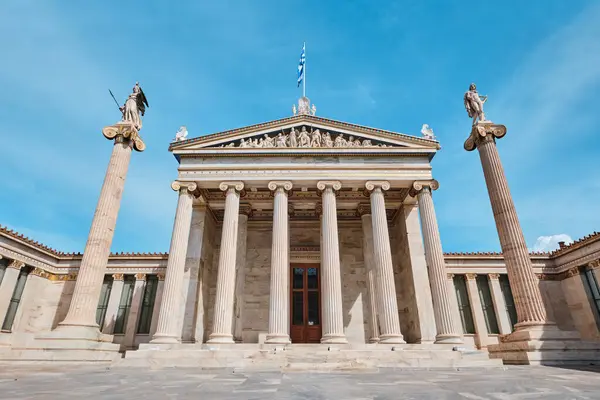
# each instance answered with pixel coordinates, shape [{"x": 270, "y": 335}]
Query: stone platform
[{"x": 305, "y": 357}]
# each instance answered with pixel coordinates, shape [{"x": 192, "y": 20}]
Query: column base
[
  {"x": 334, "y": 339},
  {"x": 76, "y": 332},
  {"x": 278, "y": 338},
  {"x": 220, "y": 338},
  {"x": 391, "y": 339},
  {"x": 448, "y": 339},
  {"x": 164, "y": 339},
  {"x": 374, "y": 340}
]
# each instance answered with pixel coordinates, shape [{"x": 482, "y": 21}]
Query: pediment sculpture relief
[{"x": 303, "y": 139}]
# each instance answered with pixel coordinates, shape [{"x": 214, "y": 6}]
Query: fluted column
[
  {"x": 222, "y": 317},
  {"x": 82, "y": 309},
  {"x": 387, "y": 306},
  {"x": 113, "y": 304},
  {"x": 167, "y": 328},
  {"x": 524, "y": 284},
  {"x": 447, "y": 326},
  {"x": 279, "y": 301},
  {"x": 367, "y": 227},
  {"x": 240, "y": 272},
  {"x": 331, "y": 306}
]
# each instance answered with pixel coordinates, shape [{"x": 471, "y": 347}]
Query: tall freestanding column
[
  {"x": 531, "y": 312},
  {"x": 167, "y": 328},
  {"x": 80, "y": 321},
  {"x": 331, "y": 305},
  {"x": 279, "y": 302},
  {"x": 367, "y": 227},
  {"x": 387, "y": 306},
  {"x": 447, "y": 326},
  {"x": 222, "y": 317}
]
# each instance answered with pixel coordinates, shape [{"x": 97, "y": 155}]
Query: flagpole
[{"x": 304, "y": 80}]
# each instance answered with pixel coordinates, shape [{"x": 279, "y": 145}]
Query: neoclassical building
[{"x": 301, "y": 230}]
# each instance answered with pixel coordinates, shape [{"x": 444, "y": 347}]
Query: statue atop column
[
  {"x": 135, "y": 105},
  {"x": 474, "y": 104}
]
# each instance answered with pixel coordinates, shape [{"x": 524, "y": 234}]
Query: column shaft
[
  {"x": 240, "y": 273},
  {"x": 279, "y": 302},
  {"x": 223, "y": 313},
  {"x": 367, "y": 228},
  {"x": 387, "y": 306},
  {"x": 331, "y": 306},
  {"x": 447, "y": 328},
  {"x": 499, "y": 305},
  {"x": 528, "y": 298},
  {"x": 82, "y": 310},
  {"x": 156, "y": 311},
  {"x": 167, "y": 329},
  {"x": 481, "y": 336},
  {"x": 113, "y": 304},
  {"x": 134, "y": 311}
]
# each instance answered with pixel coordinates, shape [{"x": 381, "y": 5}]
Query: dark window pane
[
  {"x": 298, "y": 278},
  {"x": 313, "y": 308},
  {"x": 509, "y": 300},
  {"x": 593, "y": 292},
  {"x": 297, "y": 308},
  {"x": 313, "y": 278}
]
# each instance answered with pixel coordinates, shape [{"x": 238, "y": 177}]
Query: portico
[{"x": 318, "y": 224}]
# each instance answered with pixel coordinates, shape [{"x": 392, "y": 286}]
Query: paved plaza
[{"x": 474, "y": 384}]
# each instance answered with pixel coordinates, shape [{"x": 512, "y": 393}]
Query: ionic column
[
  {"x": 82, "y": 309},
  {"x": 331, "y": 279},
  {"x": 240, "y": 271},
  {"x": 447, "y": 326},
  {"x": 530, "y": 308},
  {"x": 279, "y": 301},
  {"x": 113, "y": 304},
  {"x": 222, "y": 317},
  {"x": 167, "y": 328},
  {"x": 134, "y": 310},
  {"x": 367, "y": 227},
  {"x": 499, "y": 304},
  {"x": 387, "y": 306},
  {"x": 159, "y": 295},
  {"x": 7, "y": 286},
  {"x": 481, "y": 337}
]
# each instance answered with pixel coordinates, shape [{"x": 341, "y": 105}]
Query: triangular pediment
[{"x": 303, "y": 133}]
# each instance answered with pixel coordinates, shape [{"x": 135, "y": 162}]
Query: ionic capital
[
  {"x": 494, "y": 277},
  {"x": 471, "y": 277},
  {"x": 124, "y": 132},
  {"x": 372, "y": 185},
  {"x": 16, "y": 264},
  {"x": 235, "y": 185},
  {"x": 484, "y": 132},
  {"x": 333, "y": 185},
  {"x": 363, "y": 209},
  {"x": 184, "y": 187},
  {"x": 418, "y": 186},
  {"x": 140, "y": 277},
  {"x": 118, "y": 277},
  {"x": 285, "y": 185}
]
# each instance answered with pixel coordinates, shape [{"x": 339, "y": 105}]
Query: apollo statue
[
  {"x": 135, "y": 105},
  {"x": 474, "y": 104}
]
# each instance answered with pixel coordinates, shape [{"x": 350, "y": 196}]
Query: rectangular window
[
  {"x": 147, "y": 307},
  {"x": 464, "y": 306},
  {"x": 593, "y": 291},
  {"x": 103, "y": 302},
  {"x": 487, "y": 304},
  {"x": 509, "y": 300},
  {"x": 15, "y": 300},
  {"x": 124, "y": 304}
]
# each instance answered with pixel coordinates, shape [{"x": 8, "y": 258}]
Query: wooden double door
[{"x": 305, "y": 303}]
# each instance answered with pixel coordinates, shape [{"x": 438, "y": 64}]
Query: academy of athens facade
[{"x": 299, "y": 230}]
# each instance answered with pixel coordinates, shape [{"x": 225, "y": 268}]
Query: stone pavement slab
[{"x": 93, "y": 383}]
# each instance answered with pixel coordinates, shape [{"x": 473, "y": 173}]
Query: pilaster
[
  {"x": 499, "y": 304},
  {"x": 159, "y": 295},
  {"x": 7, "y": 286},
  {"x": 240, "y": 271},
  {"x": 134, "y": 311},
  {"x": 113, "y": 304},
  {"x": 481, "y": 336},
  {"x": 364, "y": 210}
]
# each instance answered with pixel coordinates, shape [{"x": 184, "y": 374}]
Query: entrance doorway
[{"x": 305, "y": 303}]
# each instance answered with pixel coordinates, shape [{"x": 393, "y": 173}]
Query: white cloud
[{"x": 550, "y": 243}]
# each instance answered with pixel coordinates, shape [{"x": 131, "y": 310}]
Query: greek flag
[{"x": 301, "y": 66}]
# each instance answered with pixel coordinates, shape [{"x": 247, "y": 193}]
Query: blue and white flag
[{"x": 301, "y": 66}]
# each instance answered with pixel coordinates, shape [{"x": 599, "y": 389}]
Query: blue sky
[{"x": 214, "y": 66}]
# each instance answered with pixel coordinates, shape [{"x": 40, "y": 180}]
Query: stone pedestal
[
  {"x": 447, "y": 326},
  {"x": 536, "y": 339},
  {"x": 223, "y": 314},
  {"x": 168, "y": 329},
  {"x": 279, "y": 302},
  {"x": 331, "y": 280}
]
